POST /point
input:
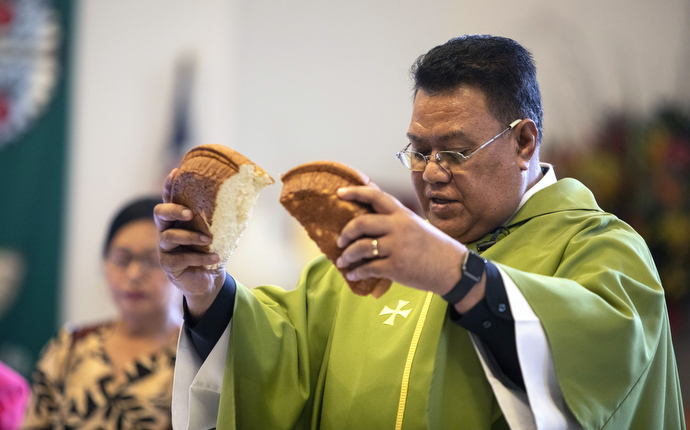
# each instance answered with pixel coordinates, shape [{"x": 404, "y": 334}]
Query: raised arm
[{"x": 186, "y": 268}]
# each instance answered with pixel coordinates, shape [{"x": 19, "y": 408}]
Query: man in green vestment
[{"x": 518, "y": 303}]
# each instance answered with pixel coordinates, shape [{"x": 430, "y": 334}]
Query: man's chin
[
  {"x": 449, "y": 226},
  {"x": 460, "y": 232}
]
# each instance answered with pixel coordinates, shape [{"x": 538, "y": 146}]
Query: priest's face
[{"x": 476, "y": 200}]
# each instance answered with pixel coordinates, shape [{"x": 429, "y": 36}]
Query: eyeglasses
[
  {"x": 123, "y": 258},
  {"x": 450, "y": 161}
]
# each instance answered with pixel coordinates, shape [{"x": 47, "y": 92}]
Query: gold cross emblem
[{"x": 395, "y": 312}]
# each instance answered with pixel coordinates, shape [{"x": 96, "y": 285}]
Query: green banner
[{"x": 34, "y": 102}]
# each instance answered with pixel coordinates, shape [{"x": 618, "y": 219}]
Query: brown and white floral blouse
[{"x": 75, "y": 386}]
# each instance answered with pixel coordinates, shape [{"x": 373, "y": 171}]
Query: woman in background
[
  {"x": 14, "y": 392},
  {"x": 117, "y": 374}
]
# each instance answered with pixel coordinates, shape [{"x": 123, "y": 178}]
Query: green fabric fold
[{"x": 320, "y": 357}]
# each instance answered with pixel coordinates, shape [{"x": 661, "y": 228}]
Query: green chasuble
[{"x": 320, "y": 357}]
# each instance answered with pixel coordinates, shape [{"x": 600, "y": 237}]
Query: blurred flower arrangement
[{"x": 639, "y": 169}]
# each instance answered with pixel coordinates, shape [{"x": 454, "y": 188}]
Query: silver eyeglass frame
[{"x": 400, "y": 155}]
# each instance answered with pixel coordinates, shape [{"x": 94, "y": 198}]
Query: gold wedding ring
[{"x": 375, "y": 245}]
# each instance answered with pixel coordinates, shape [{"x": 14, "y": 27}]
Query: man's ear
[{"x": 527, "y": 138}]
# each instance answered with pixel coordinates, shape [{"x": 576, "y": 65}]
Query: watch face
[{"x": 29, "y": 64}]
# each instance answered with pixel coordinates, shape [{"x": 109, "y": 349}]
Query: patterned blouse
[{"x": 74, "y": 386}]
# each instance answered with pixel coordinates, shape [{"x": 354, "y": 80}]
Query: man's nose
[{"x": 433, "y": 172}]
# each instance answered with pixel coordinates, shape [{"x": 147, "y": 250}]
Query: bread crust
[
  {"x": 309, "y": 195},
  {"x": 201, "y": 173},
  {"x": 220, "y": 153},
  {"x": 350, "y": 175}
]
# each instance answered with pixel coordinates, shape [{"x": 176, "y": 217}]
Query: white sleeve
[
  {"x": 542, "y": 406},
  {"x": 196, "y": 384}
]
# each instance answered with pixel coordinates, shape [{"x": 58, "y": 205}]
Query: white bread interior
[{"x": 235, "y": 202}]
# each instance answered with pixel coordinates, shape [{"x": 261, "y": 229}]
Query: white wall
[
  {"x": 290, "y": 82},
  {"x": 123, "y": 77}
]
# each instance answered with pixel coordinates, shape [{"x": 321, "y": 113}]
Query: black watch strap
[{"x": 472, "y": 272}]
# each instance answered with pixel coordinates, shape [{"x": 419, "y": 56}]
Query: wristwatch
[{"x": 472, "y": 272}]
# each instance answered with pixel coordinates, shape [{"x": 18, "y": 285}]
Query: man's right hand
[{"x": 186, "y": 269}]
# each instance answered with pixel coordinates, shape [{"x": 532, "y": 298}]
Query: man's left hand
[{"x": 411, "y": 251}]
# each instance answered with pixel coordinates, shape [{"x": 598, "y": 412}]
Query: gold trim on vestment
[{"x": 408, "y": 363}]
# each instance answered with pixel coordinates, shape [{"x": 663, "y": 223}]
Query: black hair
[
  {"x": 501, "y": 68},
  {"x": 141, "y": 208}
]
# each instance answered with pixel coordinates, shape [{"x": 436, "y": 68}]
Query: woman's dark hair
[
  {"x": 499, "y": 67},
  {"x": 138, "y": 209}
]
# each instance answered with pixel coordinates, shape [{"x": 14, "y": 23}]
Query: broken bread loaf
[
  {"x": 309, "y": 195},
  {"x": 221, "y": 187}
]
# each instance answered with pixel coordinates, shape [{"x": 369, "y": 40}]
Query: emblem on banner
[{"x": 29, "y": 45}]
